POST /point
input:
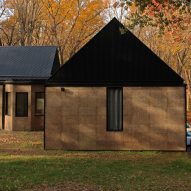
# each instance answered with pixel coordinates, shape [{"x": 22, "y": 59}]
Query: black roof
[
  {"x": 28, "y": 62},
  {"x": 113, "y": 57}
]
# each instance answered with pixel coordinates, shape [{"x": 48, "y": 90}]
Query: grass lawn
[{"x": 24, "y": 165}]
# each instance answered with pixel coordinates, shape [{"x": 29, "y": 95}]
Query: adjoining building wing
[{"x": 23, "y": 73}]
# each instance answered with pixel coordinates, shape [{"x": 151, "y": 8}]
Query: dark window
[
  {"x": 21, "y": 104},
  {"x": 114, "y": 109},
  {"x": 39, "y": 103},
  {"x": 7, "y": 103}
]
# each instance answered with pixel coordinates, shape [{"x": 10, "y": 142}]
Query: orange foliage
[{"x": 67, "y": 24}]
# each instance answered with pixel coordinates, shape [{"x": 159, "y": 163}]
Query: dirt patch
[
  {"x": 65, "y": 187},
  {"x": 21, "y": 140},
  {"x": 8, "y": 140}
]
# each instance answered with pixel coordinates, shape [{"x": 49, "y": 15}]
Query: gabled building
[
  {"x": 115, "y": 94},
  {"x": 23, "y": 73}
]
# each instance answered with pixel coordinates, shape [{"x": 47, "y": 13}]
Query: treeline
[{"x": 67, "y": 24}]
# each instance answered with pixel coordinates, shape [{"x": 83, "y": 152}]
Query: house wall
[
  {"x": 12, "y": 122},
  {"x": 153, "y": 119},
  {"x": 31, "y": 122},
  {"x": 9, "y": 118}
]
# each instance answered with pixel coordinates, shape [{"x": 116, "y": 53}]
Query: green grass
[
  {"x": 131, "y": 171},
  {"x": 125, "y": 171}
]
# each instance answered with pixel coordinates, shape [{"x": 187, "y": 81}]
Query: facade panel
[{"x": 76, "y": 119}]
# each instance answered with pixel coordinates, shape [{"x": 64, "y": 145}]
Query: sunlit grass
[{"x": 24, "y": 164}]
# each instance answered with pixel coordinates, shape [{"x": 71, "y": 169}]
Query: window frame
[
  {"x": 107, "y": 115},
  {"x": 16, "y": 97},
  {"x": 36, "y": 113}
]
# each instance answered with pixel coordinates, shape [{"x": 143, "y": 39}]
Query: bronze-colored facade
[
  {"x": 115, "y": 94},
  {"x": 10, "y": 121},
  {"x": 153, "y": 119}
]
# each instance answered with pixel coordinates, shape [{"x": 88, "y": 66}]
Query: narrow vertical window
[
  {"x": 114, "y": 109},
  {"x": 7, "y": 103},
  {"x": 21, "y": 109},
  {"x": 39, "y": 103}
]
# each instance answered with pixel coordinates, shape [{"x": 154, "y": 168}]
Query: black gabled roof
[
  {"x": 28, "y": 62},
  {"x": 114, "y": 58}
]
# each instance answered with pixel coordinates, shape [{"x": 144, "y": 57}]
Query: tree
[
  {"x": 23, "y": 20},
  {"x": 116, "y": 8},
  {"x": 71, "y": 24},
  {"x": 165, "y": 27},
  {"x": 66, "y": 24}
]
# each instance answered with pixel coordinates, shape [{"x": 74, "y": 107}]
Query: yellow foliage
[{"x": 65, "y": 23}]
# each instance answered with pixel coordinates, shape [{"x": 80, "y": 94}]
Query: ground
[{"x": 24, "y": 165}]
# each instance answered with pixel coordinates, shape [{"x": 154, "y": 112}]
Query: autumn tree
[
  {"x": 165, "y": 27},
  {"x": 70, "y": 24},
  {"x": 66, "y": 24},
  {"x": 116, "y": 8},
  {"x": 22, "y": 21}
]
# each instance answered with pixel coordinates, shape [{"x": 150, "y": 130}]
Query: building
[
  {"x": 115, "y": 94},
  {"x": 23, "y": 73}
]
